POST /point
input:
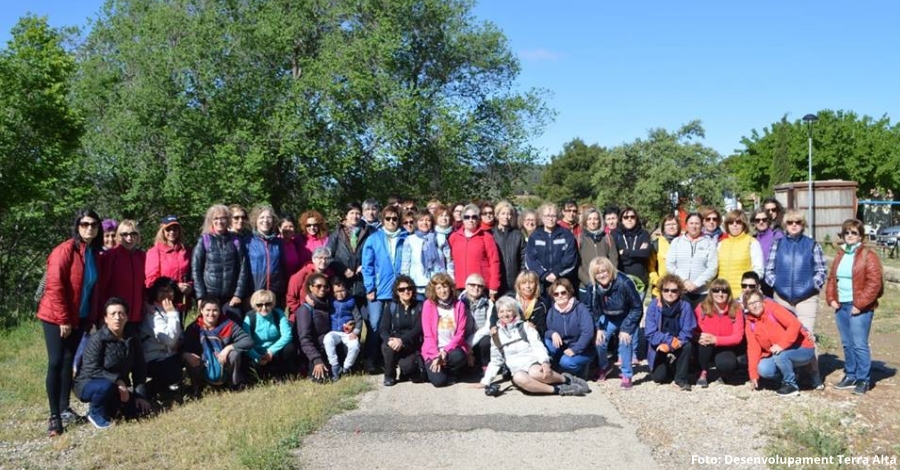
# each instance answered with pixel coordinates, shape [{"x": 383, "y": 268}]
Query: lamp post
[{"x": 810, "y": 199}]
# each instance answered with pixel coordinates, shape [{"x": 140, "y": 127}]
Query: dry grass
[{"x": 255, "y": 428}]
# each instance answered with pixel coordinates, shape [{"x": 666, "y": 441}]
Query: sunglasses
[
  {"x": 850, "y": 232},
  {"x": 793, "y": 222},
  {"x": 239, "y": 217},
  {"x": 172, "y": 228},
  {"x": 560, "y": 293},
  {"x": 749, "y": 286},
  {"x": 391, "y": 219},
  {"x": 487, "y": 213},
  {"x": 719, "y": 290},
  {"x": 472, "y": 284},
  {"x": 89, "y": 224},
  {"x": 628, "y": 217},
  {"x": 128, "y": 234},
  {"x": 761, "y": 220},
  {"x": 669, "y": 291},
  {"x": 312, "y": 225},
  {"x": 772, "y": 209},
  {"x": 409, "y": 222},
  {"x": 404, "y": 289},
  {"x": 319, "y": 286},
  {"x": 711, "y": 219},
  {"x": 470, "y": 217},
  {"x": 265, "y": 304}
]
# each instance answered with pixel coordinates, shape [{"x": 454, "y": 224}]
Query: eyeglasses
[
  {"x": 793, "y": 222},
  {"x": 669, "y": 291},
  {"x": 754, "y": 302},
  {"x": 89, "y": 224},
  {"x": 736, "y": 222},
  {"x": 239, "y": 217},
  {"x": 128, "y": 234},
  {"x": 760, "y": 220},
  {"x": 472, "y": 284},
  {"x": 719, "y": 290},
  {"x": 850, "y": 232},
  {"x": 629, "y": 217},
  {"x": 711, "y": 219},
  {"x": 319, "y": 286},
  {"x": 409, "y": 222},
  {"x": 391, "y": 219},
  {"x": 312, "y": 225},
  {"x": 490, "y": 213},
  {"x": 749, "y": 286},
  {"x": 470, "y": 217},
  {"x": 560, "y": 293},
  {"x": 265, "y": 304},
  {"x": 404, "y": 289},
  {"x": 772, "y": 209}
]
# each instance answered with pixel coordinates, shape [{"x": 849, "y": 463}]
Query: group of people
[{"x": 549, "y": 298}]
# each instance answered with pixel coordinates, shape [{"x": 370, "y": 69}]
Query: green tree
[
  {"x": 568, "y": 176},
  {"x": 301, "y": 104}
]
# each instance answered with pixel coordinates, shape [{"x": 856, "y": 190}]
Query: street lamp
[{"x": 810, "y": 119}]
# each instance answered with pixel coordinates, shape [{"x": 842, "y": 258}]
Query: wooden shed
[{"x": 834, "y": 202}]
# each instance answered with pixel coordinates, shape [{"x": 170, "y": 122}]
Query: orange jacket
[
  {"x": 867, "y": 279},
  {"x": 776, "y": 325}
]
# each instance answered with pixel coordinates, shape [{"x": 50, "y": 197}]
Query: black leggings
[
  {"x": 664, "y": 371},
  {"x": 60, "y": 356},
  {"x": 725, "y": 358},
  {"x": 482, "y": 351},
  {"x": 456, "y": 359}
]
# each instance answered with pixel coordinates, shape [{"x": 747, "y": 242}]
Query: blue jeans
[
  {"x": 785, "y": 362},
  {"x": 854, "y": 331},
  {"x": 575, "y": 365},
  {"x": 613, "y": 326},
  {"x": 103, "y": 397},
  {"x": 372, "y": 350}
]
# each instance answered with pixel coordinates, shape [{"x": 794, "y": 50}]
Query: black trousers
[
  {"x": 60, "y": 356},
  {"x": 664, "y": 371},
  {"x": 456, "y": 359},
  {"x": 408, "y": 360}
]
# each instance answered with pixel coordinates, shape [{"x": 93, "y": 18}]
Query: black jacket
[
  {"x": 403, "y": 323},
  {"x": 634, "y": 252},
  {"x": 313, "y": 323},
  {"x": 538, "y": 316},
  {"x": 511, "y": 244},
  {"x": 111, "y": 358},
  {"x": 344, "y": 258},
  {"x": 220, "y": 267}
]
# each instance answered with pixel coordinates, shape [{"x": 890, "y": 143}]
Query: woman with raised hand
[
  {"x": 444, "y": 347},
  {"x": 738, "y": 252},
  {"x": 313, "y": 234},
  {"x": 617, "y": 309},
  {"x": 265, "y": 252},
  {"x": 273, "y": 353},
  {"x": 720, "y": 322},
  {"x": 68, "y": 308},
  {"x": 125, "y": 265},
  {"x": 219, "y": 264},
  {"x": 521, "y": 350},
  {"x": 401, "y": 334},
  {"x": 694, "y": 258},
  {"x": 570, "y": 329},
  {"x": 670, "y": 328},
  {"x": 854, "y": 285},
  {"x": 169, "y": 257},
  {"x": 161, "y": 335},
  {"x": 112, "y": 373},
  {"x": 511, "y": 244}
]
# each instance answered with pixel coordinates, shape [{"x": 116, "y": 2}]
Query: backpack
[
  {"x": 252, "y": 315},
  {"x": 234, "y": 238},
  {"x": 495, "y": 338},
  {"x": 212, "y": 344}
]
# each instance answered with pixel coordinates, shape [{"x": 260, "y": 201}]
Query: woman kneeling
[{"x": 519, "y": 347}]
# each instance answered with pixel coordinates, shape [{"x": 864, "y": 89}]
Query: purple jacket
[
  {"x": 767, "y": 238},
  {"x": 653, "y": 327}
]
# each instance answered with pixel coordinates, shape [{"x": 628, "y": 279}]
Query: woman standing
[
  {"x": 660, "y": 248},
  {"x": 766, "y": 234},
  {"x": 633, "y": 245},
  {"x": 694, "y": 258},
  {"x": 738, "y": 252},
  {"x": 346, "y": 246},
  {"x": 421, "y": 258},
  {"x": 529, "y": 222},
  {"x": 401, "y": 334},
  {"x": 314, "y": 233},
  {"x": 219, "y": 264},
  {"x": 287, "y": 231},
  {"x": 170, "y": 258},
  {"x": 240, "y": 223},
  {"x": 109, "y": 227},
  {"x": 594, "y": 243},
  {"x": 511, "y": 244},
  {"x": 444, "y": 347},
  {"x": 720, "y": 320},
  {"x": 670, "y": 329},
  {"x": 266, "y": 254},
  {"x": 552, "y": 252},
  {"x": 474, "y": 251},
  {"x": 443, "y": 228},
  {"x": 125, "y": 265},
  {"x": 68, "y": 308},
  {"x": 853, "y": 288}
]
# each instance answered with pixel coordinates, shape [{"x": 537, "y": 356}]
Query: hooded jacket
[
  {"x": 220, "y": 267},
  {"x": 475, "y": 254}
]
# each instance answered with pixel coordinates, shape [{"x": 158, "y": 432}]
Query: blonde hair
[
  {"x": 134, "y": 228},
  {"x": 602, "y": 262},
  {"x": 262, "y": 296},
  {"x": 211, "y": 214}
]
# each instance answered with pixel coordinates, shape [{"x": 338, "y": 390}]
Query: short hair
[
  {"x": 564, "y": 283},
  {"x": 204, "y": 301},
  {"x": 352, "y": 205},
  {"x": 667, "y": 218},
  {"x": 237, "y": 207},
  {"x": 109, "y": 225},
  {"x": 442, "y": 279},
  {"x": 672, "y": 278},
  {"x": 506, "y": 205},
  {"x": 371, "y": 204},
  {"x": 760, "y": 211},
  {"x": 402, "y": 279},
  {"x": 708, "y": 306},
  {"x": 524, "y": 215},
  {"x": 528, "y": 275},
  {"x": 262, "y": 296},
  {"x": 322, "y": 251},
  {"x": 390, "y": 210},
  {"x": 853, "y": 224},
  {"x": 211, "y": 214},
  {"x": 159, "y": 284},
  {"x": 424, "y": 214},
  {"x": 737, "y": 215},
  {"x": 475, "y": 277},
  {"x": 694, "y": 215},
  {"x": 751, "y": 275},
  {"x": 335, "y": 281},
  {"x": 707, "y": 210},
  {"x": 602, "y": 262},
  {"x": 569, "y": 202},
  {"x": 507, "y": 303},
  {"x": 134, "y": 227},
  {"x": 472, "y": 207},
  {"x": 313, "y": 278},
  {"x": 795, "y": 214},
  {"x": 745, "y": 298},
  {"x": 637, "y": 217},
  {"x": 115, "y": 301},
  {"x": 545, "y": 206},
  {"x": 610, "y": 210}
]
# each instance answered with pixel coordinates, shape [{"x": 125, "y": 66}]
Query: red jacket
[
  {"x": 728, "y": 332},
  {"x": 62, "y": 294},
  {"x": 867, "y": 279},
  {"x": 167, "y": 261},
  {"x": 475, "y": 254},
  {"x": 776, "y": 325},
  {"x": 125, "y": 279},
  {"x": 296, "y": 291}
]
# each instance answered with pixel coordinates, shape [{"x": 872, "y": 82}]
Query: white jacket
[{"x": 517, "y": 353}]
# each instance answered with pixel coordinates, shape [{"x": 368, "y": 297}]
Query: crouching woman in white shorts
[{"x": 520, "y": 348}]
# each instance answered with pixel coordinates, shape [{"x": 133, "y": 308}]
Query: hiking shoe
[
  {"x": 861, "y": 388},
  {"x": 819, "y": 387},
  {"x": 845, "y": 384},
  {"x": 570, "y": 390},
  {"x": 683, "y": 386},
  {"x": 602, "y": 374},
  {"x": 788, "y": 390},
  {"x": 98, "y": 420},
  {"x": 702, "y": 382},
  {"x": 578, "y": 381},
  {"x": 54, "y": 426},
  {"x": 626, "y": 383},
  {"x": 69, "y": 416},
  {"x": 390, "y": 381}
]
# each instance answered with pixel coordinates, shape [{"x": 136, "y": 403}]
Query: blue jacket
[
  {"x": 271, "y": 334},
  {"x": 619, "y": 302},
  {"x": 575, "y": 327},
  {"x": 379, "y": 271},
  {"x": 687, "y": 323},
  {"x": 552, "y": 253},
  {"x": 343, "y": 311},
  {"x": 795, "y": 268},
  {"x": 266, "y": 255}
]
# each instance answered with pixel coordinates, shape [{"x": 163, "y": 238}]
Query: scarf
[
  {"x": 715, "y": 234},
  {"x": 442, "y": 234},
  {"x": 850, "y": 249},
  {"x": 445, "y": 303},
  {"x": 567, "y": 307},
  {"x": 594, "y": 235},
  {"x": 668, "y": 237},
  {"x": 267, "y": 238},
  {"x": 354, "y": 237},
  {"x": 392, "y": 247},
  {"x": 432, "y": 259},
  {"x": 527, "y": 306},
  {"x": 670, "y": 314}
]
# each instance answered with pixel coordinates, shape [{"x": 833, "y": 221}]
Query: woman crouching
[{"x": 520, "y": 348}]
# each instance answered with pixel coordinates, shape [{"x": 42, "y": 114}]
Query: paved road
[{"x": 419, "y": 426}]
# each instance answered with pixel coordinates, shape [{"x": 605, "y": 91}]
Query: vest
[
  {"x": 734, "y": 260},
  {"x": 794, "y": 269}
]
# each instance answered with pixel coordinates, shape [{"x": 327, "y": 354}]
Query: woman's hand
[
  {"x": 492, "y": 294},
  {"x": 222, "y": 355},
  {"x": 624, "y": 338},
  {"x": 348, "y": 273},
  {"x": 168, "y": 305},
  {"x": 124, "y": 394},
  {"x": 569, "y": 352},
  {"x": 65, "y": 331},
  {"x": 855, "y": 311},
  {"x": 265, "y": 359},
  {"x": 318, "y": 371},
  {"x": 835, "y": 305},
  {"x": 235, "y": 301},
  {"x": 395, "y": 343},
  {"x": 184, "y": 288},
  {"x": 436, "y": 365},
  {"x": 601, "y": 337},
  {"x": 353, "y": 336},
  {"x": 689, "y": 286},
  {"x": 776, "y": 349},
  {"x": 143, "y": 406},
  {"x": 754, "y": 384},
  {"x": 557, "y": 340},
  {"x": 493, "y": 330}
]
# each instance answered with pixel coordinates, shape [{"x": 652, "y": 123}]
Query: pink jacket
[
  {"x": 307, "y": 245},
  {"x": 430, "y": 331},
  {"x": 163, "y": 260},
  {"x": 728, "y": 332}
]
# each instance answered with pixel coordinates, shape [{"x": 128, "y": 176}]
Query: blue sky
[{"x": 614, "y": 70}]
